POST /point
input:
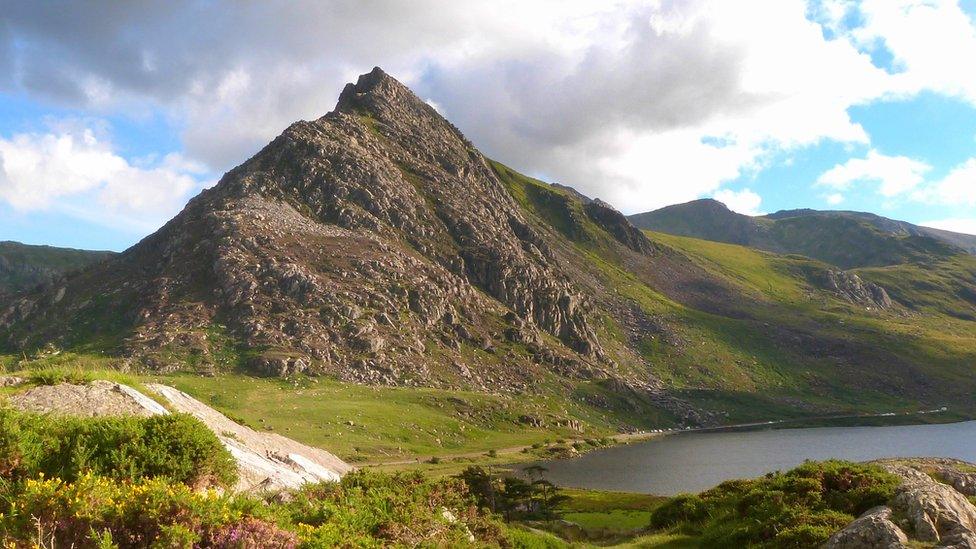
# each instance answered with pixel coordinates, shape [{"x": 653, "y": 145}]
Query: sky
[{"x": 114, "y": 114}]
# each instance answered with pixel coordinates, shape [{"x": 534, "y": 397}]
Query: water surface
[{"x": 691, "y": 462}]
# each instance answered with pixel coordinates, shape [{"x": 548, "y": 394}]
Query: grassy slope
[
  {"x": 23, "y": 266},
  {"x": 362, "y": 423},
  {"x": 846, "y": 240},
  {"x": 730, "y": 364},
  {"x": 944, "y": 345}
]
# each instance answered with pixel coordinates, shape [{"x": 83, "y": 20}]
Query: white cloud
[
  {"x": 611, "y": 97},
  {"x": 957, "y": 188},
  {"x": 958, "y": 225},
  {"x": 834, "y": 199},
  {"x": 744, "y": 201},
  {"x": 894, "y": 175},
  {"x": 74, "y": 170},
  {"x": 640, "y": 102},
  {"x": 931, "y": 41}
]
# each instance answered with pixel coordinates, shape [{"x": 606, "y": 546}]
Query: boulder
[
  {"x": 872, "y": 530},
  {"x": 936, "y": 511}
]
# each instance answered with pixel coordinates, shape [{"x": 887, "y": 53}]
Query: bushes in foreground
[
  {"x": 800, "y": 508},
  {"x": 365, "y": 509},
  {"x": 176, "y": 446}
]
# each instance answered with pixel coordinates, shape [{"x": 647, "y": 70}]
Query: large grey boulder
[
  {"x": 936, "y": 511},
  {"x": 873, "y": 530}
]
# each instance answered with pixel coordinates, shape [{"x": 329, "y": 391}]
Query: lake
[{"x": 692, "y": 462}]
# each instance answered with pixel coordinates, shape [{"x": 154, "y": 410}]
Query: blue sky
[{"x": 113, "y": 116}]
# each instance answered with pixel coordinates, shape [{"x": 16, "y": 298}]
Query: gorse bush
[
  {"x": 176, "y": 446},
  {"x": 147, "y": 512},
  {"x": 800, "y": 508},
  {"x": 365, "y": 509},
  {"x": 374, "y": 509}
]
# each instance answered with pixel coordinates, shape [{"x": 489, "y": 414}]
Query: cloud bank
[{"x": 642, "y": 103}]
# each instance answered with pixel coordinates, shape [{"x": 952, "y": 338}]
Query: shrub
[
  {"x": 175, "y": 446},
  {"x": 681, "y": 509},
  {"x": 800, "y": 508},
  {"x": 93, "y": 509},
  {"x": 368, "y": 508},
  {"x": 251, "y": 532},
  {"x": 365, "y": 509}
]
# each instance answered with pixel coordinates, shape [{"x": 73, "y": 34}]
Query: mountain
[
  {"x": 377, "y": 245},
  {"x": 23, "y": 267},
  {"x": 846, "y": 239}
]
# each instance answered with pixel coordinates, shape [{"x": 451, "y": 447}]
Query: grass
[
  {"x": 662, "y": 541},
  {"x": 376, "y": 423},
  {"x": 605, "y": 517}
]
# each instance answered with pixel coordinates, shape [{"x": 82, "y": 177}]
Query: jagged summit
[
  {"x": 368, "y": 89},
  {"x": 344, "y": 246}
]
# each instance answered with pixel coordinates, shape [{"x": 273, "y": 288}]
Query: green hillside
[
  {"x": 753, "y": 334},
  {"x": 23, "y": 266},
  {"x": 845, "y": 239}
]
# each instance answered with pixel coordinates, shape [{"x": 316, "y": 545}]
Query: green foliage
[
  {"x": 371, "y": 509},
  {"x": 99, "y": 511},
  {"x": 365, "y": 509},
  {"x": 800, "y": 508},
  {"x": 513, "y": 497},
  {"x": 54, "y": 376},
  {"x": 176, "y": 447}
]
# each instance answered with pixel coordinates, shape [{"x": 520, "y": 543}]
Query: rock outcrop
[
  {"x": 933, "y": 512},
  {"x": 850, "y": 286},
  {"x": 872, "y": 530},
  {"x": 374, "y": 244}
]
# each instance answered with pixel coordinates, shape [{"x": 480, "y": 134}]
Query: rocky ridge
[{"x": 374, "y": 243}]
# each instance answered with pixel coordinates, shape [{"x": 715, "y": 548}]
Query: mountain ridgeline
[
  {"x": 846, "y": 239},
  {"x": 377, "y": 245}
]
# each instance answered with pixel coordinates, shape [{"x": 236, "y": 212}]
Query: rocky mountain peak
[
  {"x": 374, "y": 243},
  {"x": 369, "y": 88}
]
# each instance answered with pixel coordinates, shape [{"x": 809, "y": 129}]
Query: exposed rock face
[
  {"x": 266, "y": 461},
  {"x": 374, "y": 243},
  {"x": 851, "y": 287},
  {"x": 936, "y": 512},
  {"x": 617, "y": 225},
  {"x": 872, "y": 530}
]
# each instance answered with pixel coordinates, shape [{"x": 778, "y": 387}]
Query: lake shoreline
[{"x": 666, "y": 465}]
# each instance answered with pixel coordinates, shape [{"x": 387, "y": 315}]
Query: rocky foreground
[{"x": 932, "y": 508}]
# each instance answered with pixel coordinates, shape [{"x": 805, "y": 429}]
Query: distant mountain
[
  {"x": 846, "y": 239},
  {"x": 377, "y": 245},
  {"x": 23, "y": 266}
]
